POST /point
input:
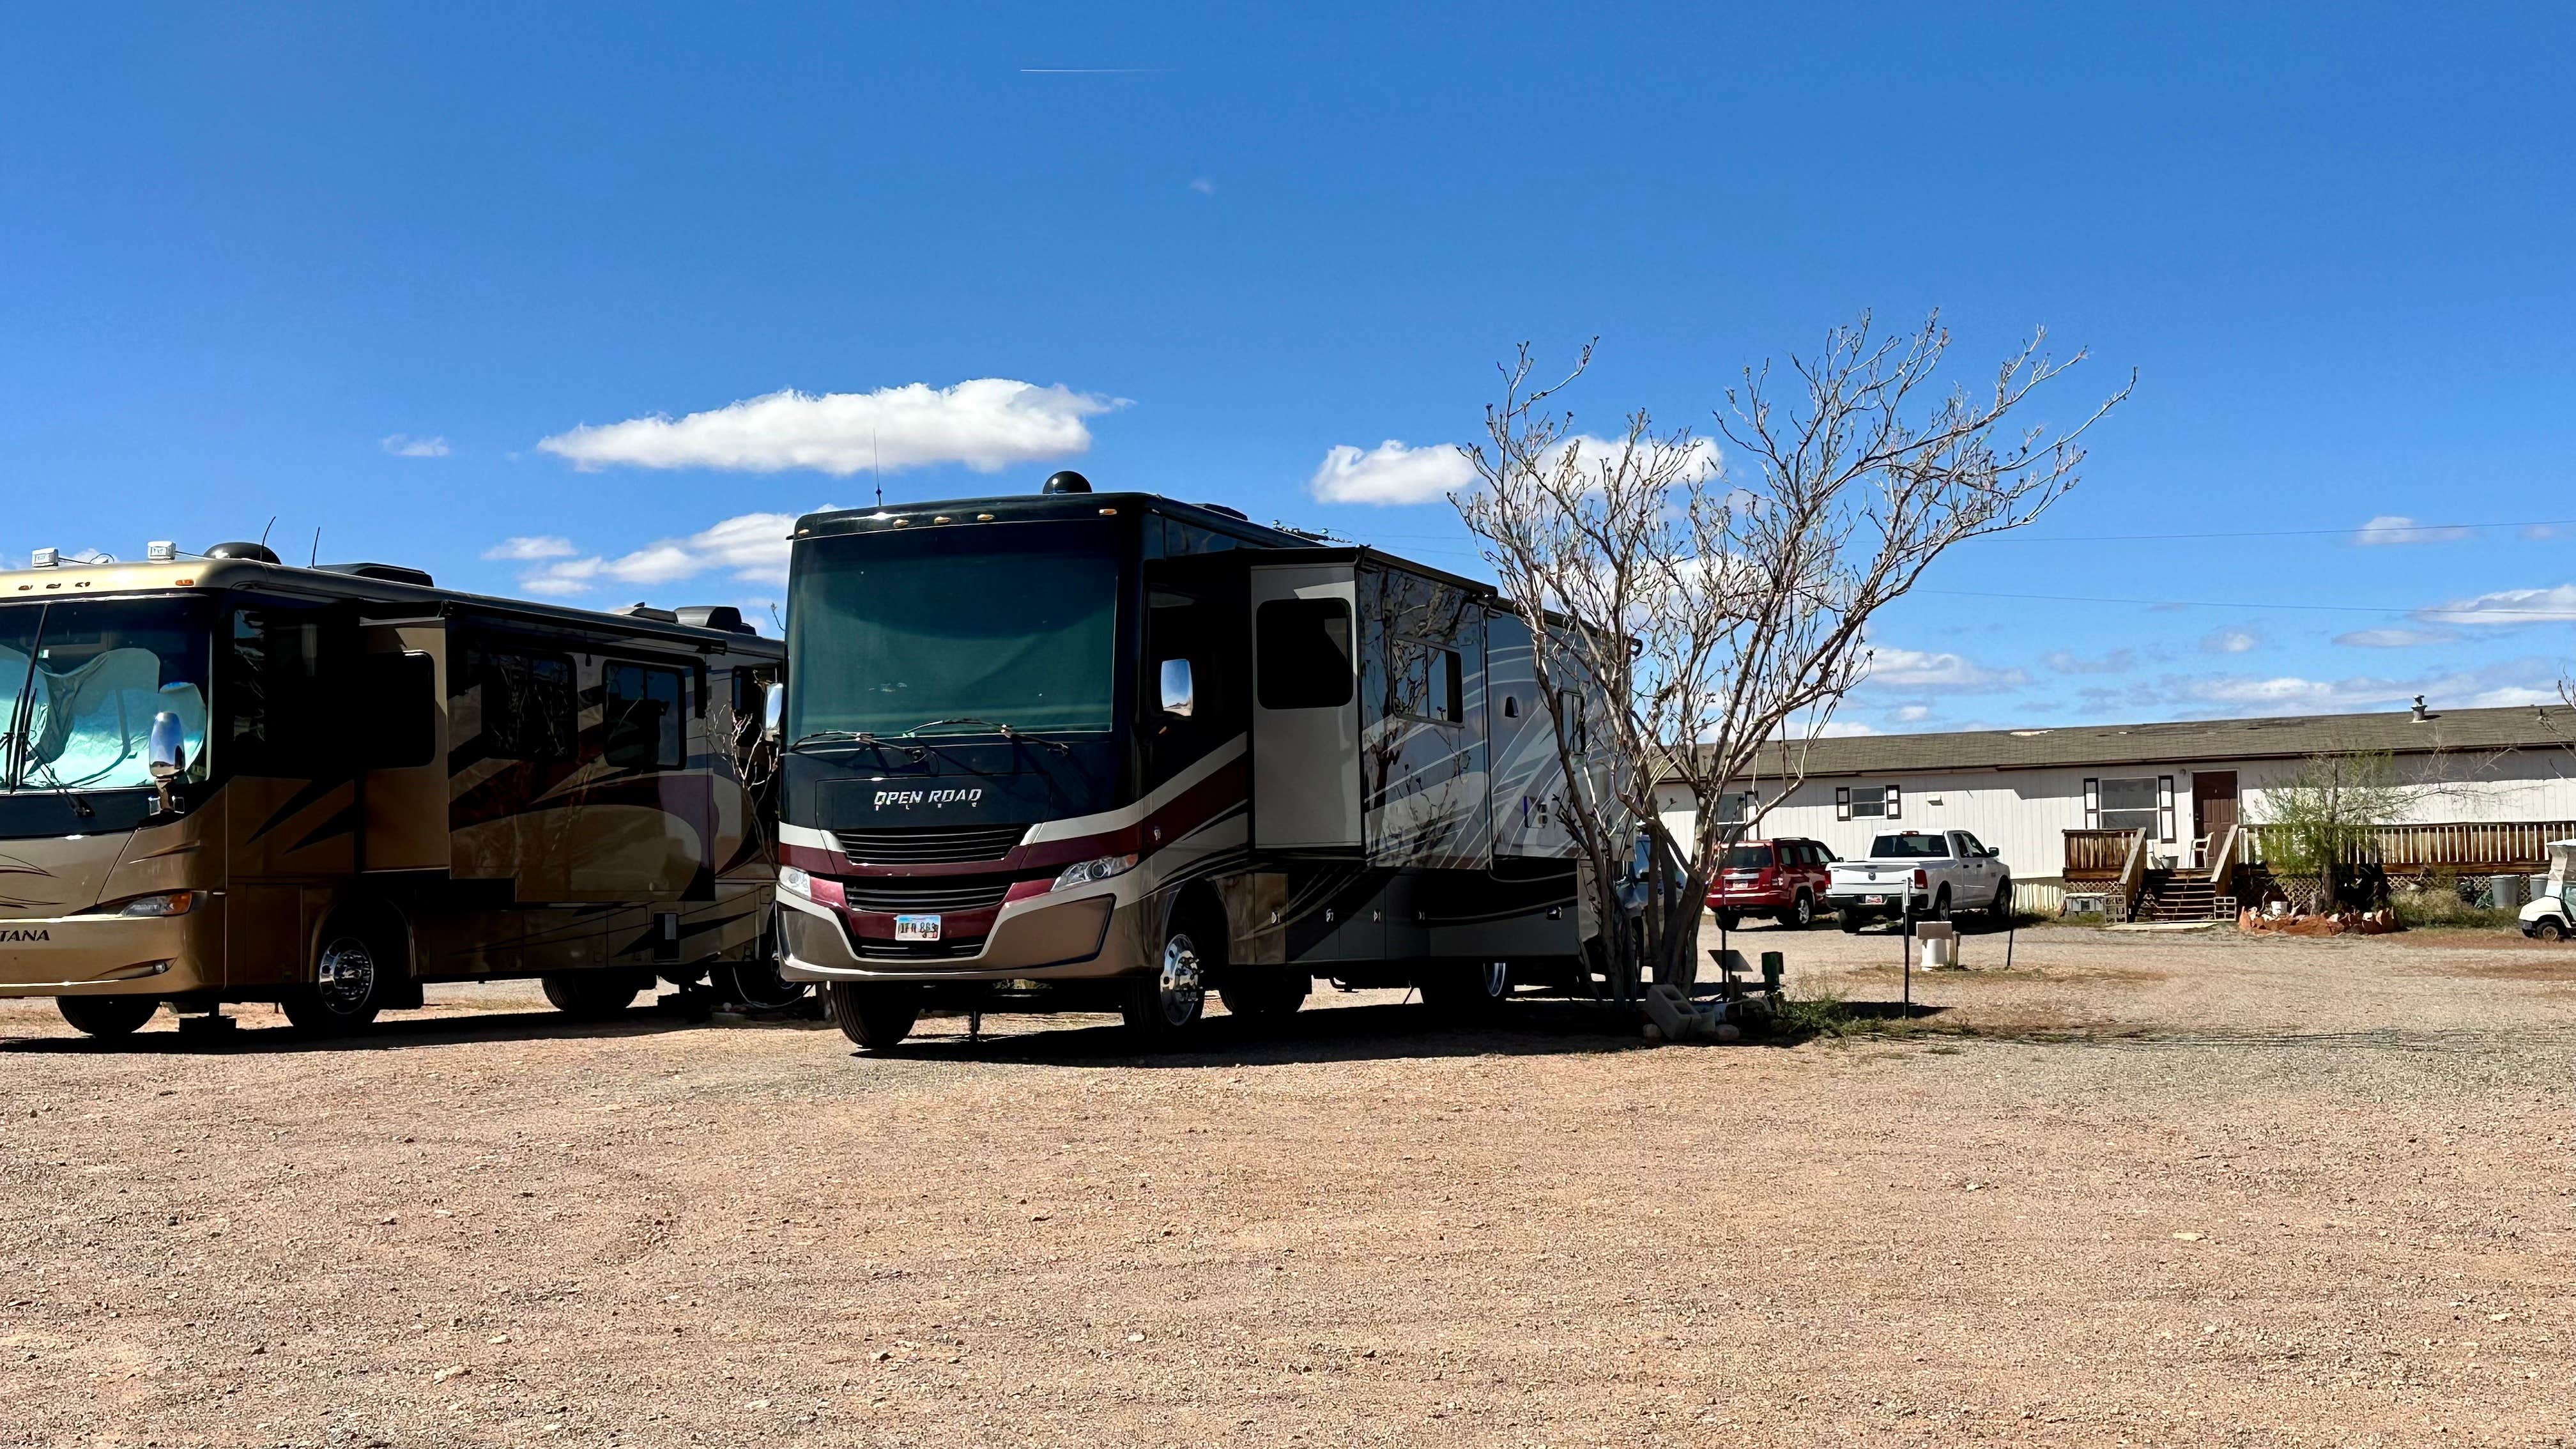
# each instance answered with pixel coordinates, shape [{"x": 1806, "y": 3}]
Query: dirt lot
[{"x": 2151, "y": 1189}]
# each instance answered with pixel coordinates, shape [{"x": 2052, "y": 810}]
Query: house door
[{"x": 2213, "y": 803}]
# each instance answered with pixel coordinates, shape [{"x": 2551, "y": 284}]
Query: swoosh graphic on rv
[{"x": 12, "y": 865}]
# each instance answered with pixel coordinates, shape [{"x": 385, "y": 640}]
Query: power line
[
  {"x": 2355, "y": 532},
  {"x": 2431, "y": 615}
]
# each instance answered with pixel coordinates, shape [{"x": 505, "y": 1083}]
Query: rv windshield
[
  {"x": 1009, "y": 622},
  {"x": 80, "y": 684}
]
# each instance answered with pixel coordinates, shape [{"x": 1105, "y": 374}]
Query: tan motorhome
[{"x": 223, "y": 779}]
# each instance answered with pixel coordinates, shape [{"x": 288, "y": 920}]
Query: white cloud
[
  {"x": 1910, "y": 713},
  {"x": 1203, "y": 186},
  {"x": 752, "y": 548},
  {"x": 404, "y": 445},
  {"x": 535, "y": 547},
  {"x": 986, "y": 423},
  {"x": 2230, "y": 641},
  {"x": 1920, "y": 669},
  {"x": 2394, "y": 638},
  {"x": 2394, "y": 528},
  {"x": 1842, "y": 729},
  {"x": 2063, "y": 661},
  {"x": 2513, "y": 682},
  {"x": 1391, "y": 473},
  {"x": 2506, "y": 608}
]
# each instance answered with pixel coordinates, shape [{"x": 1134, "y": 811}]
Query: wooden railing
[
  {"x": 2133, "y": 875},
  {"x": 2464, "y": 846},
  {"x": 2222, "y": 861},
  {"x": 2099, "y": 855}
]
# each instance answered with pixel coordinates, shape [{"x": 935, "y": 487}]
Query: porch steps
[{"x": 2177, "y": 895}]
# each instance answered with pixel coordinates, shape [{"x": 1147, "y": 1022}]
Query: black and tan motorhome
[
  {"x": 1119, "y": 746},
  {"x": 223, "y": 779}
]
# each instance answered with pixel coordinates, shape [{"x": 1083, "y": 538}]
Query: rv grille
[
  {"x": 931, "y": 844},
  {"x": 931, "y": 893},
  {"x": 920, "y": 950}
]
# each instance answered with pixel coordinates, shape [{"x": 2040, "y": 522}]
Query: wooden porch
[{"x": 2114, "y": 863}]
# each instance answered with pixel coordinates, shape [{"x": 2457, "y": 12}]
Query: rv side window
[
  {"x": 1305, "y": 648},
  {"x": 1425, "y": 682},
  {"x": 282, "y": 716},
  {"x": 645, "y": 710},
  {"x": 531, "y": 708},
  {"x": 399, "y": 707}
]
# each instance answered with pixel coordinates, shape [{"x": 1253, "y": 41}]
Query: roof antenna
[
  {"x": 314, "y": 559},
  {"x": 873, "y": 468},
  {"x": 263, "y": 533}
]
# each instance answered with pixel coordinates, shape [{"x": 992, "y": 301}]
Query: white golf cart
[{"x": 2549, "y": 917}]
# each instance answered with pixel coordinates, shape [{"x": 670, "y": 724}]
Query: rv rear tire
[
  {"x": 106, "y": 1016},
  {"x": 1264, "y": 991},
  {"x": 591, "y": 995},
  {"x": 875, "y": 1017},
  {"x": 1465, "y": 988}
]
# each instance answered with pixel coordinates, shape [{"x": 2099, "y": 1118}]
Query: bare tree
[
  {"x": 1711, "y": 618},
  {"x": 2328, "y": 816}
]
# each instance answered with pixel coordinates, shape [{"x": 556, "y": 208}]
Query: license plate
[
  {"x": 916, "y": 928},
  {"x": 1874, "y": 900}
]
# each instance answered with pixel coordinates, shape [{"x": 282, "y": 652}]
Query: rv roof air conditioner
[
  {"x": 647, "y": 611},
  {"x": 389, "y": 573},
  {"x": 254, "y": 552},
  {"x": 724, "y": 618},
  {"x": 1067, "y": 481}
]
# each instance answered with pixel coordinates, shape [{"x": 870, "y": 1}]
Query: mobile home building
[{"x": 2486, "y": 788}]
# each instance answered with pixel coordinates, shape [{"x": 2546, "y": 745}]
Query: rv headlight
[
  {"x": 168, "y": 903},
  {"x": 795, "y": 882},
  {"x": 1092, "y": 872}
]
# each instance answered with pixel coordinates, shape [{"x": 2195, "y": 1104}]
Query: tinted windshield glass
[
  {"x": 1914, "y": 845},
  {"x": 1748, "y": 857},
  {"x": 1011, "y": 622},
  {"x": 81, "y": 683}
]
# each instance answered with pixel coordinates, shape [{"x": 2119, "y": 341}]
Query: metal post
[
  {"x": 2012, "y": 932},
  {"x": 1905, "y": 935}
]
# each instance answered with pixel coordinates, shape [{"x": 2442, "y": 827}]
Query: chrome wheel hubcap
[
  {"x": 1181, "y": 989},
  {"x": 348, "y": 974}
]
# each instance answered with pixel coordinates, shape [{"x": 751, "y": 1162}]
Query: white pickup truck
[{"x": 1920, "y": 874}]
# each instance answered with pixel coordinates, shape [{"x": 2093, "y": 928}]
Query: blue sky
[{"x": 355, "y": 268}]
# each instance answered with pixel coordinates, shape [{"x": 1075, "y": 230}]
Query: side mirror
[
  {"x": 773, "y": 710},
  {"x": 1179, "y": 695},
  {"x": 167, "y": 756}
]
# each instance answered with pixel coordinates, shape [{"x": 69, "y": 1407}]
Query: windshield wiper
[
  {"x": 80, "y": 805},
  {"x": 1009, "y": 732},
  {"x": 858, "y": 737}
]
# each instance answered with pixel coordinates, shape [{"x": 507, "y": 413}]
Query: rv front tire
[
  {"x": 353, "y": 976},
  {"x": 1166, "y": 1003},
  {"x": 106, "y": 1016},
  {"x": 875, "y": 1017}
]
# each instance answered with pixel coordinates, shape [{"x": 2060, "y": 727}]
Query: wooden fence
[{"x": 2465, "y": 847}]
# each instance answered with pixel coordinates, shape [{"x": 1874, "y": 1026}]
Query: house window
[
  {"x": 2138, "y": 802},
  {"x": 1868, "y": 802}
]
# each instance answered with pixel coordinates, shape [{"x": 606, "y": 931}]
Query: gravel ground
[{"x": 2140, "y": 1188}]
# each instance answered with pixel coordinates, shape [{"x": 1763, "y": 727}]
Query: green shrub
[{"x": 2439, "y": 904}]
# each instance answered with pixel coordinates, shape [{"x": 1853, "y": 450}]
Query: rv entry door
[
  {"x": 1305, "y": 708},
  {"x": 397, "y": 725}
]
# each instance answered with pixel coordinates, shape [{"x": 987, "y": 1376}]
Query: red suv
[{"x": 1783, "y": 879}]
